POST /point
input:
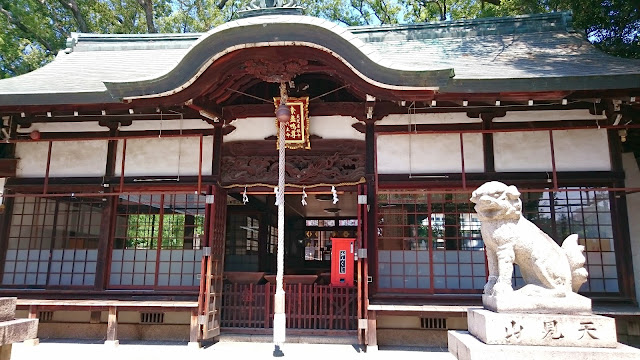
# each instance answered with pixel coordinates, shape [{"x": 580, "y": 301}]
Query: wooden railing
[{"x": 307, "y": 306}]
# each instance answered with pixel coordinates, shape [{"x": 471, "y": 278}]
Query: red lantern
[{"x": 34, "y": 135}]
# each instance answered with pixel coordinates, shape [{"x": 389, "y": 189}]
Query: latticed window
[
  {"x": 587, "y": 213},
  {"x": 53, "y": 241},
  {"x": 157, "y": 240},
  {"x": 431, "y": 242}
]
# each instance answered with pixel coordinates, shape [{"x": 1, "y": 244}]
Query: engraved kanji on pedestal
[{"x": 551, "y": 330}]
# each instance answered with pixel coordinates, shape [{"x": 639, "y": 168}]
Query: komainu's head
[{"x": 497, "y": 201}]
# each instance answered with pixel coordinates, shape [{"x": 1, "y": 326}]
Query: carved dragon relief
[{"x": 300, "y": 169}]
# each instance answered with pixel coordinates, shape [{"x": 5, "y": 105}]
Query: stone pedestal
[
  {"x": 542, "y": 329},
  {"x": 515, "y": 302},
  {"x": 465, "y": 346},
  {"x": 514, "y": 336}
]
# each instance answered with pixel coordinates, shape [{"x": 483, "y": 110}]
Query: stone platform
[
  {"x": 520, "y": 303},
  {"x": 465, "y": 346},
  {"x": 593, "y": 331}
]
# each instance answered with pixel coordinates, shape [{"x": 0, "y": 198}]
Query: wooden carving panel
[{"x": 330, "y": 162}]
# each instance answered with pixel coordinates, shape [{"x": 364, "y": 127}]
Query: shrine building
[{"x": 138, "y": 175}]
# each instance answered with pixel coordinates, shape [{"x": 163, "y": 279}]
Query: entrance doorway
[{"x": 312, "y": 303}]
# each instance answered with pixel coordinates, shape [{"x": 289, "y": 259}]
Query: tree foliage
[
  {"x": 143, "y": 230},
  {"x": 34, "y": 30},
  {"x": 613, "y": 25}
]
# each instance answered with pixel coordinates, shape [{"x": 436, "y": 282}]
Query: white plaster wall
[
  {"x": 32, "y": 159},
  {"x": 252, "y": 129},
  {"x": 632, "y": 180},
  {"x": 574, "y": 150},
  {"x": 428, "y": 153},
  {"x": 522, "y": 151},
  {"x": 473, "y": 152},
  {"x": 549, "y": 115},
  {"x": 68, "y": 158},
  {"x": 169, "y": 156},
  {"x": 334, "y": 127},
  {"x": 438, "y": 118},
  {"x": 78, "y": 158},
  {"x": 581, "y": 150}
]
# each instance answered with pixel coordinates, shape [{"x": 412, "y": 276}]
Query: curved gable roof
[
  {"x": 518, "y": 54},
  {"x": 283, "y": 30}
]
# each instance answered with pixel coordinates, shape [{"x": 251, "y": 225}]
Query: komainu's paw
[
  {"x": 488, "y": 287},
  {"x": 501, "y": 288}
]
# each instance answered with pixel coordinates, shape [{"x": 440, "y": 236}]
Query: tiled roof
[
  {"x": 517, "y": 47},
  {"x": 535, "y": 52}
]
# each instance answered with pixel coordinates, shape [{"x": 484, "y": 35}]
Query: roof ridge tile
[{"x": 554, "y": 21}]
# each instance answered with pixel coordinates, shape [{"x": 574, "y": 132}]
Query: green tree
[
  {"x": 355, "y": 12},
  {"x": 35, "y": 30},
  {"x": 612, "y": 25}
]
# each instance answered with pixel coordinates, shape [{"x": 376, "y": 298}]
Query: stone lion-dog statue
[{"x": 549, "y": 270}]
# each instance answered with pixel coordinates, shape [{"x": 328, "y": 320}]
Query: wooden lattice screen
[
  {"x": 212, "y": 264},
  {"x": 308, "y": 306}
]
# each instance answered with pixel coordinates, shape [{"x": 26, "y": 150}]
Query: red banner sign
[{"x": 297, "y": 129}]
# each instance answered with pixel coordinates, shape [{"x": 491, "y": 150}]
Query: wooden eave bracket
[
  {"x": 227, "y": 129},
  {"x": 115, "y": 124},
  {"x": 487, "y": 115},
  {"x": 207, "y": 113},
  {"x": 369, "y": 106}
]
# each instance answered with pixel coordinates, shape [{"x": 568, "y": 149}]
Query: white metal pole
[{"x": 279, "y": 317}]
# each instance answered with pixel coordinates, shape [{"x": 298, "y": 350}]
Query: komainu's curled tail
[{"x": 574, "y": 253}]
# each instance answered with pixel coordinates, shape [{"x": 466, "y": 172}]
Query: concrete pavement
[{"x": 69, "y": 350}]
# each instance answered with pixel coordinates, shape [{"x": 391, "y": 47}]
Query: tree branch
[
  {"x": 147, "y": 5},
  {"x": 72, "y": 6},
  {"x": 221, "y": 4},
  {"x": 384, "y": 16},
  {"x": 17, "y": 23},
  {"x": 363, "y": 14}
]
